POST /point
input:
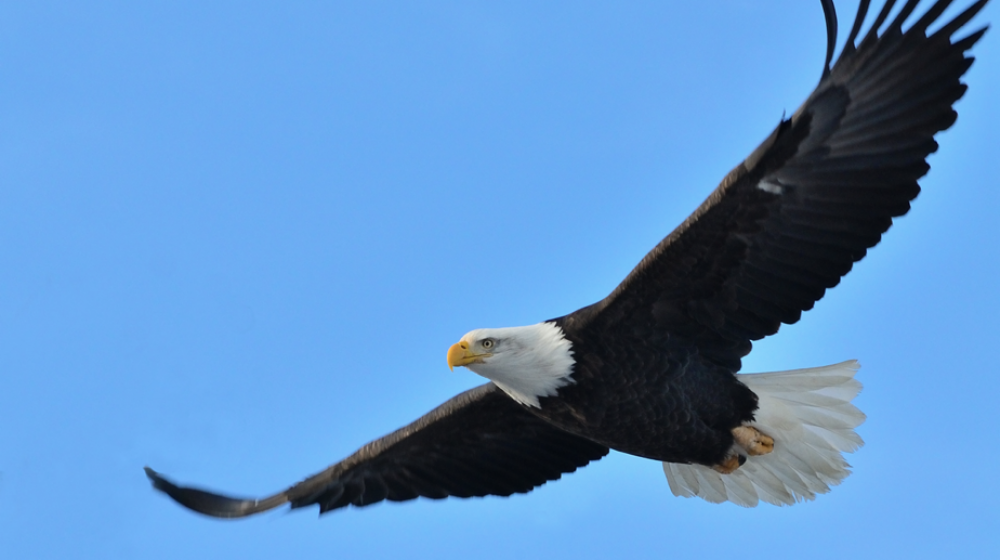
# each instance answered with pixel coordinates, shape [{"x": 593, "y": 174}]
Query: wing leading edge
[
  {"x": 792, "y": 219},
  {"x": 479, "y": 443}
]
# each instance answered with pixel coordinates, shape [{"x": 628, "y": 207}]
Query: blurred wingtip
[
  {"x": 158, "y": 481},
  {"x": 210, "y": 503}
]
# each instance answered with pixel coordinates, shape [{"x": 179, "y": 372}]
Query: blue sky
[{"x": 237, "y": 239}]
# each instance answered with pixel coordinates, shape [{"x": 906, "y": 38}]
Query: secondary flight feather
[{"x": 652, "y": 369}]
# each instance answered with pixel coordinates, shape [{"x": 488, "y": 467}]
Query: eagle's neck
[{"x": 530, "y": 362}]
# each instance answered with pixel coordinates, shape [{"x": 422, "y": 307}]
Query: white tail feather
[{"x": 809, "y": 414}]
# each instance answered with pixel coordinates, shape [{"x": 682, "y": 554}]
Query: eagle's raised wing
[
  {"x": 478, "y": 443},
  {"x": 787, "y": 223}
]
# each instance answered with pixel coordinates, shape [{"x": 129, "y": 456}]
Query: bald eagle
[{"x": 652, "y": 369}]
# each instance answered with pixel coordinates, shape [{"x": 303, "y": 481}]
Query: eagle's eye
[{"x": 488, "y": 343}]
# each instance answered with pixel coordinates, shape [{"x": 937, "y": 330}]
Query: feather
[{"x": 809, "y": 414}]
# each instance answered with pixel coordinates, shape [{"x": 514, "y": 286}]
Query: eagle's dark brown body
[{"x": 673, "y": 406}]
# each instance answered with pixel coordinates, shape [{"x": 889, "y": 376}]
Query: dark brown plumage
[
  {"x": 655, "y": 361},
  {"x": 477, "y": 443}
]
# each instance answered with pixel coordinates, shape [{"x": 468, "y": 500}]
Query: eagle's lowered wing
[{"x": 478, "y": 443}]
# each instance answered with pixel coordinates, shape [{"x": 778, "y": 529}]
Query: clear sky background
[{"x": 237, "y": 239}]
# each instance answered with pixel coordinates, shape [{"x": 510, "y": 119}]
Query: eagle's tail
[{"x": 809, "y": 414}]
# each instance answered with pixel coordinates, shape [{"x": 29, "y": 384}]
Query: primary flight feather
[{"x": 651, "y": 370}]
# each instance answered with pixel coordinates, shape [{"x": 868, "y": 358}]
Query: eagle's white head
[{"x": 526, "y": 362}]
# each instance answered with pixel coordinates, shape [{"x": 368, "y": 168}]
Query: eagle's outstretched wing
[
  {"x": 478, "y": 443},
  {"x": 792, "y": 219}
]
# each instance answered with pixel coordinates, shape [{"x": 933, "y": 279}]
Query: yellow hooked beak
[{"x": 460, "y": 355}]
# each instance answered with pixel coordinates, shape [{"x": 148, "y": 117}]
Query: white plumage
[
  {"x": 809, "y": 414},
  {"x": 527, "y": 362}
]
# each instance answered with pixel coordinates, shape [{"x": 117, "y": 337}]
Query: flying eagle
[{"x": 651, "y": 370}]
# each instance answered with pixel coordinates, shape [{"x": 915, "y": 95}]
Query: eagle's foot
[
  {"x": 753, "y": 441},
  {"x": 730, "y": 463}
]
